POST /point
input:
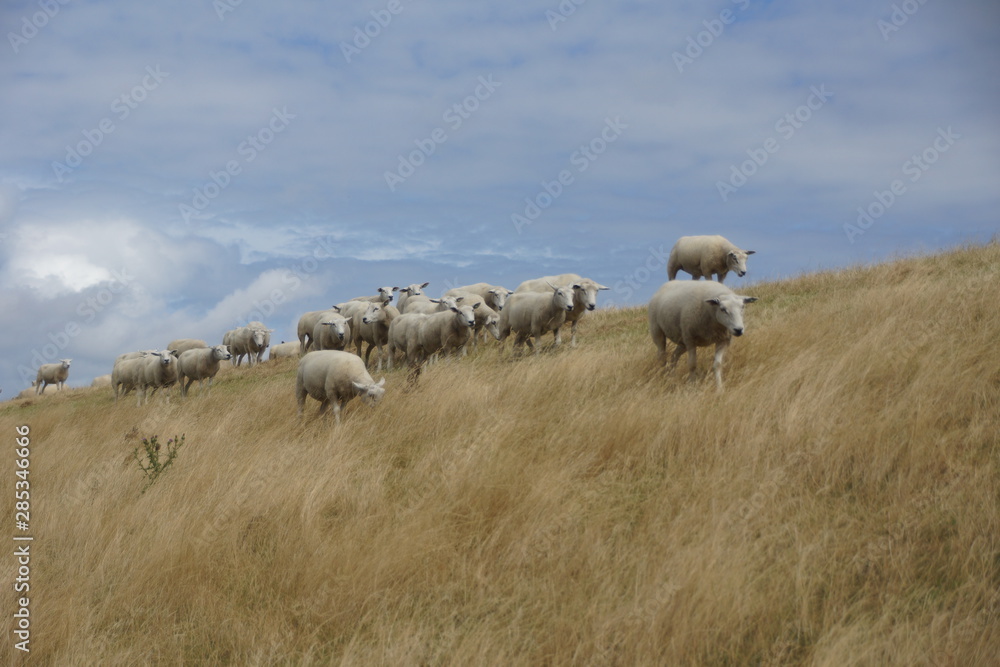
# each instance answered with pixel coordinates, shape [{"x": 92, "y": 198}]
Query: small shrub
[{"x": 154, "y": 466}]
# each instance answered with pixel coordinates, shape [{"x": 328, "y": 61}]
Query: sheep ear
[
  {"x": 380, "y": 383},
  {"x": 509, "y": 292},
  {"x": 425, "y": 284},
  {"x": 459, "y": 298},
  {"x": 359, "y": 386},
  {"x": 336, "y": 308},
  {"x": 750, "y": 252},
  {"x": 394, "y": 289},
  {"x": 270, "y": 330},
  {"x": 600, "y": 286},
  {"x": 176, "y": 353},
  {"x": 713, "y": 301},
  {"x": 477, "y": 305},
  {"x": 551, "y": 285},
  {"x": 749, "y": 299},
  {"x": 455, "y": 309}
]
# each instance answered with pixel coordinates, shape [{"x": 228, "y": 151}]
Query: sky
[{"x": 172, "y": 170}]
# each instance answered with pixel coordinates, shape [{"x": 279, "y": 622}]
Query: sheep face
[
  {"x": 373, "y": 313},
  {"x": 166, "y": 357},
  {"x": 736, "y": 260},
  {"x": 413, "y": 290},
  {"x": 585, "y": 293},
  {"x": 493, "y": 326},
  {"x": 499, "y": 297},
  {"x": 370, "y": 393},
  {"x": 338, "y": 326},
  {"x": 65, "y": 363},
  {"x": 386, "y": 293},
  {"x": 563, "y": 297},
  {"x": 465, "y": 314},
  {"x": 221, "y": 353},
  {"x": 258, "y": 337},
  {"x": 728, "y": 310}
]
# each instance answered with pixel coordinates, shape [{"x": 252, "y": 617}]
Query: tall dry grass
[{"x": 837, "y": 504}]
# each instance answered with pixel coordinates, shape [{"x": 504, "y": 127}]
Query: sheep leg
[
  {"x": 678, "y": 351},
  {"x": 660, "y": 341},
  {"x": 720, "y": 350},
  {"x": 572, "y": 338},
  {"x": 692, "y": 362}
]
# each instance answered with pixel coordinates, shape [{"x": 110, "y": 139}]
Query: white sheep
[
  {"x": 333, "y": 376},
  {"x": 250, "y": 341},
  {"x": 384, "y": 296},
  {"x": 702, "y": 256},
  {"x": 159, "y": 370},
  {"x": 52, "y": 374},
  {"x": 584, "y": 297},
  {"x": 530, "y": 314},
  {"x": 424, "y": 305},
  {"x": 404, "y": 336},
  {"x": 200, "y": 364},
  {"x": 495, "y": 296},
  {"x": 447, "y": 331},
  {"x": 101, "y": 381},
  {"x": 283, "y": 350},
  {"x": 693, "y": 315},
  {"x": 306, "y": 326},
  {"x": 487, "y": 319},
  {"x": 127, "y": 375},
  {"x": 182, "y": 345},
  {"x": 332, "y": 331},
  {"x": 409, "y": 291},
  {"x": 374, "y": 329}
]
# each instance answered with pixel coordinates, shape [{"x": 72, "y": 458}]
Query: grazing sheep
[
  {"x": 409, "y": 291},
  {"x": 332, "y": 331},
  {"x": 374, "y": 329},
  {"x": 200, "y": 364},
  {"x": 446, "y": 331},
  {"x": 283, "y": 350},
  {"x": 159, "y": 370},
  {"x": 384, "y": 296},
  {"x": 101, "y": 381},
  {"x": 404, "y": 336},
  {"x": 584, "y": 297},
  {"x": 333, "y": 376},
  {"x": 249, "y": 341},
  {"x": 535, "y": 314},
  {"x": 702, "y": 256},
  {"x": 693, "y": 315},
  {"x": 495, "y": 296},
  {"x": 52, "y": 374},
  {"x": 307, "y": 325},
  {"x": 182, "y": 345},
  {"x": 127, "y": 375}
]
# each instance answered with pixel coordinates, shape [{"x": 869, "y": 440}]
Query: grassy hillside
[{"x": 838, "y": 503}]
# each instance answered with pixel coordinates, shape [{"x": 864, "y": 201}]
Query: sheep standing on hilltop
[
  {"x": 307, "y": 325},
  {"x": 405, "y": 293},
  {"x": 486, "y": 318},
  {"x": 127, "y": 374},
  {"x": 332, "y": 331},
  {"x": 249, "y": 341},
  {"x": 404, "y": 336},
  {"x": 702, "y": 256},
  {"x": 333, "y": 376},
  {"x": 693, "y": 315},
  {"x": 446, "y": 331},
  {"x": 52, "y": 374},
  {"x": 584, "y": 297},
  {"x": 384, "y": 296},
  {"x": 530, "y": 314},
  {"x": 200, "y": 364},
  {"x": 374, "y": 330},
  {"x": 159, "y": 370}
]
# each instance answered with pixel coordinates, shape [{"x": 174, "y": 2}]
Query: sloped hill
[{"x": 838, "y": 503}]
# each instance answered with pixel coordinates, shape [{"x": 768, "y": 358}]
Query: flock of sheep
[{"x": 419, "y": 329}]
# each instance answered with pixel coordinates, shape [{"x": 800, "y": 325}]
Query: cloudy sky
[{"x": 177, "y": 169}]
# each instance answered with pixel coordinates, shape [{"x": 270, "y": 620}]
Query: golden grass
[{"x": 837, "y": 504}]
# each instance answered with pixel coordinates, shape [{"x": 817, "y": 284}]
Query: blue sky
[{"x": 176, "y": 169}]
